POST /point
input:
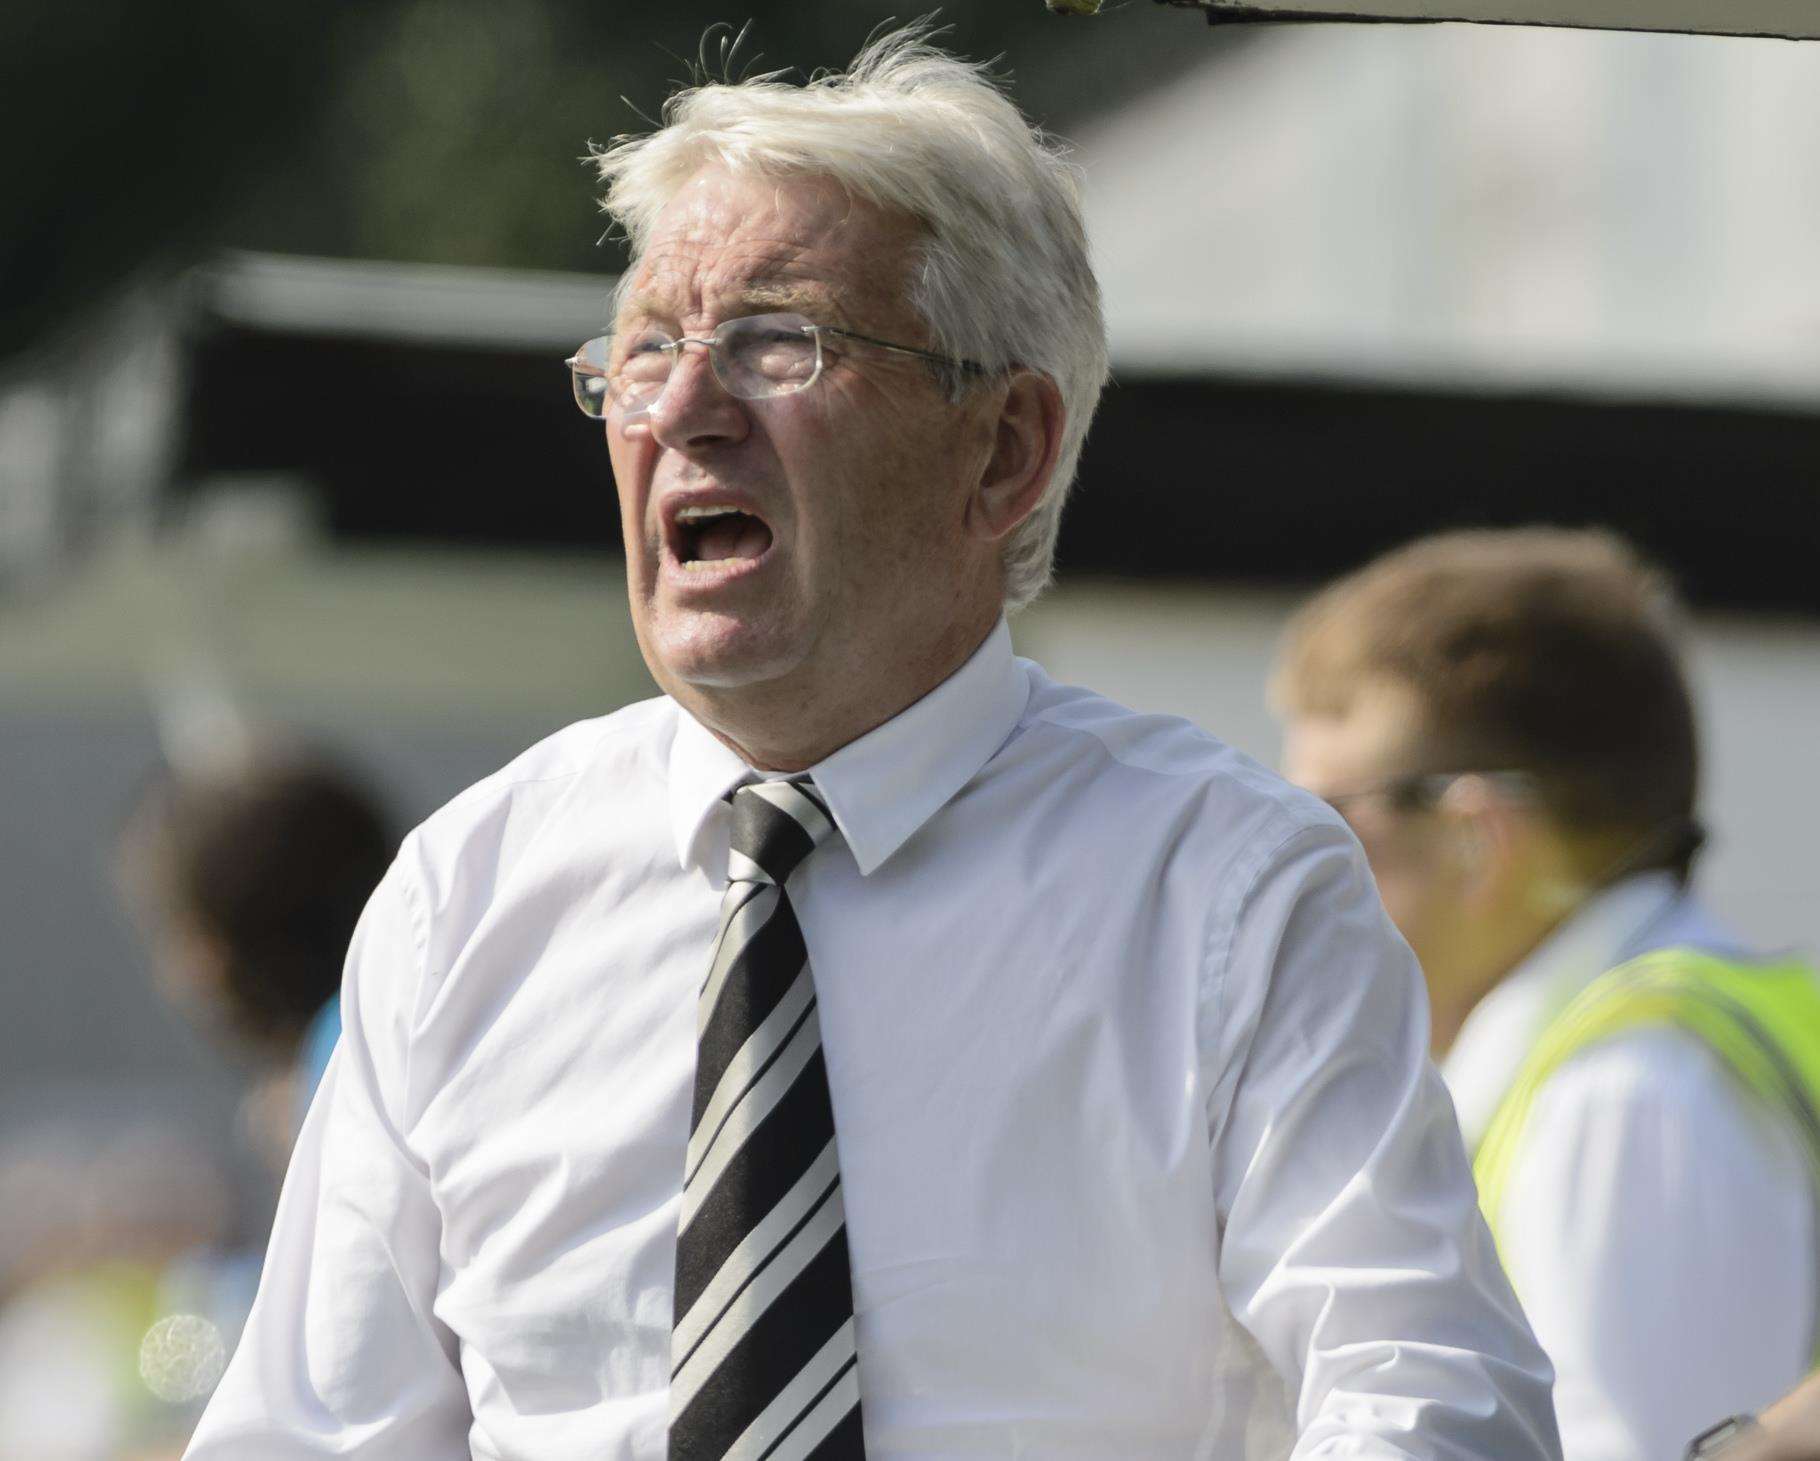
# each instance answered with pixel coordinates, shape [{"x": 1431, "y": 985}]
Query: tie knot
[{"x": 776, "y": 824}]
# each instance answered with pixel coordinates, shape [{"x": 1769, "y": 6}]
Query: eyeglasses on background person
[
  {"x": 754, "y": 358},
  {"x": 1421, "y": 791}
]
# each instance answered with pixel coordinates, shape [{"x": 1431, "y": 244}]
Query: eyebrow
[
  {"x": 780, "y": 294},
  {"x": 756, "y": 296}
]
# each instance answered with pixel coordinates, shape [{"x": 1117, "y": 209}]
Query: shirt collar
[{"x": 882, "y": 787}]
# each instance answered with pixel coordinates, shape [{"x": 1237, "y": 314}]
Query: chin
[{"x": 712, "y": 651}]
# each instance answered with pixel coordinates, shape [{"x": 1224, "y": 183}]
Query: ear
[{"x": 1026, "y": 440}]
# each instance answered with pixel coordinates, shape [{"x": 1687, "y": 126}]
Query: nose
[{"x": 694, "y": 410}]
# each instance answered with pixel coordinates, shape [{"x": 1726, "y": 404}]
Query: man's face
[
  {"x": 852, "y": 492},
  {"x": 1414, "y": 852}
]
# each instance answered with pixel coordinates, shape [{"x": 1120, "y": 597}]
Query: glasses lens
[
  {"x": 1413, "y": 793},
  {"x": 588, "y": 376},
  {"x": 640, "y": 365},
  {"x": 766, "y": 355}
]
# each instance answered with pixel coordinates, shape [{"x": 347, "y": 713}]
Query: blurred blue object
[{"x": 313, "y": 1054}]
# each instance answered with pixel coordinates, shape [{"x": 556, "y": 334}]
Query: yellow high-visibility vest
[{"x": 1761, "y": 1020}]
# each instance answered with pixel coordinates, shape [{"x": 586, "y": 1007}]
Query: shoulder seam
[
  {"x": 1047, "y": 718},
  {"x": 503, "y": 779},
  {"x": 420, "y": 947},
  {"x": 1253, "y": 874}
]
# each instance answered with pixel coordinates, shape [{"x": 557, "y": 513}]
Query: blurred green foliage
[{"x": 140, "y": 136}]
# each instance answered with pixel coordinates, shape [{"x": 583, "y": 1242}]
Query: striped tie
[{"x": 762, "y": 1361}]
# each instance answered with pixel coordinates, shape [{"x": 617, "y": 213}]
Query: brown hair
[
  {"x": 1542, "y": 650},
  {"x": 275, "y": 861}
]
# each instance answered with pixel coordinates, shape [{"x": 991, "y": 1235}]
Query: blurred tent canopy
[
  {"x": 1418, "y": 277},
  {"x": 1788, "y": 19},
  {"x": 1619, "y": 216}
]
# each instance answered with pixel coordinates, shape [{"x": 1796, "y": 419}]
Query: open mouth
[{"x": 705, "y": 535}]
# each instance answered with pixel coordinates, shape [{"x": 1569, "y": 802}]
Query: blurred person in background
[
  {"x": 119, "y": 1291},
  {"x": 249, "y": 877},
  {"x": 1505, "y": 720},
  {"x": 1139, "y": 1151},
  {"x": 124, "y": 1280}
]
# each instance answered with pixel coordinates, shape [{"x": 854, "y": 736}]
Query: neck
[
  {"x": 793, "y": 723},
  {"x": 1450, "y": 1009},
  {"x": 1447, "y": 1016}
]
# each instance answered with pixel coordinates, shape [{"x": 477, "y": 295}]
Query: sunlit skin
[
  {"x": 885, "y": 502},
  {"x": 1790, "y": 1428},
  {"x": 1471, "y": 884}
]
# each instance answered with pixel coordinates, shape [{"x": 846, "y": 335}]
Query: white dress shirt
[
  {"x": 1140, "y": 1150},
  {"x": 1659, "y": 1225}
]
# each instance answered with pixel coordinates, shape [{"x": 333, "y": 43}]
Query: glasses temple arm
[{"x": 972, "y": 366}]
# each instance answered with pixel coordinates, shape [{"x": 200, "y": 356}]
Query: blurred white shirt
[
  {"x": 1660, "y": 1227},
  {"x": 1141, "y": 1153}
]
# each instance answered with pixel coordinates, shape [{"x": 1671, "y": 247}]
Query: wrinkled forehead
[{"x": 731, "y": 243}]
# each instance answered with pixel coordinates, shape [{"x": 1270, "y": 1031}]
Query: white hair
[{"x": 1002, "y": 279}]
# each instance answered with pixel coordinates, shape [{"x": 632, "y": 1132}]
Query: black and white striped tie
[{"x": 762, "y": 1359}]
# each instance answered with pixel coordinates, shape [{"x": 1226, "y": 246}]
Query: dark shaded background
[{"x": 1229, "y": 481}]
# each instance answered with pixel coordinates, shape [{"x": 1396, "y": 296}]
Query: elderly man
[
  {"x": 1504, "y": 718},
  {"x": 872, "y": 1047}
]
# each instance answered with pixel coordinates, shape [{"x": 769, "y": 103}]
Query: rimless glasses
[{"x": 754, "y": 358}]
